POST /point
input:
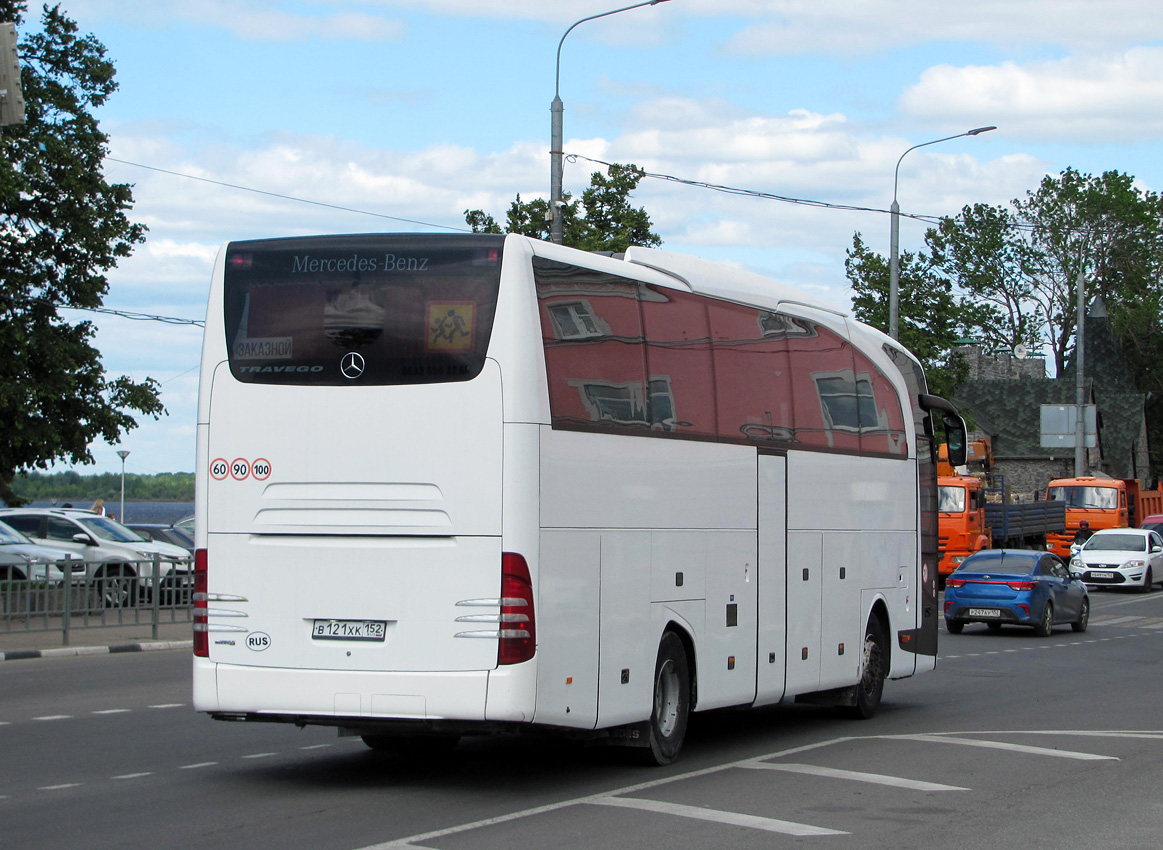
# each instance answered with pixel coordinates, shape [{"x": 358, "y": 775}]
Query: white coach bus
[{"x": 469, "y": 484}]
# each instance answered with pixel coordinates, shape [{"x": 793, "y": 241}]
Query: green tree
[
  {"x": 63, "y": 228},
  {"x": 601, "y": 220},
  {"x": 929, "y": 323}
]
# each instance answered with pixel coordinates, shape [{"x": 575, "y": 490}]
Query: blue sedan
[{"x": 1020, "y": 587}]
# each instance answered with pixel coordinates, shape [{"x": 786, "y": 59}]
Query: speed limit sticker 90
[{"x": 240, "y": 469}]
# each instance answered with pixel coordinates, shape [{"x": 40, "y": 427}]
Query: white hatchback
[{"x": 1120, "y": 557}]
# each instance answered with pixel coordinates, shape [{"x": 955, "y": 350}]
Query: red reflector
[
  {"x": 201, "y": 638},
  {"x": 518, "y": 624}
]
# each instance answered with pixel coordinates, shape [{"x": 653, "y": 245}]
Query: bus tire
[
  {"x": 671, "y": 705},
  {"x": 874, "y": 670}
]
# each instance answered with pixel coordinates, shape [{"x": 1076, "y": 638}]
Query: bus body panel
[
  {"x": 614, "y": 481},
  {"x": 288, "y": 583},
  {"x": 351, "y": 695},
  {"x": 421, "y": 460},
  {"x": 773, "y": 660}
]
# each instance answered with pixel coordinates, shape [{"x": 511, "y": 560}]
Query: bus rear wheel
[{"x": 672, "y": 702}]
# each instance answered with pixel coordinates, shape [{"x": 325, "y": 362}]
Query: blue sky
[{"x": 421, "y": 109}]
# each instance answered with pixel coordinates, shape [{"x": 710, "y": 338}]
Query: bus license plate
[
  {"x": 984, "y": 612},
  {"x": 349, "y": 630}
]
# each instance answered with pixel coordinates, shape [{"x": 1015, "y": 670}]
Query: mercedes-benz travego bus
[{"x": 470, "y": 484}]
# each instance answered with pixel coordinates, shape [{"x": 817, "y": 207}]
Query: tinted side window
[
  {"x": 28, "y": 524},
  {"x": 752, "y": 373},
  {"x": 61, "y": 529},
  {"x": 682, "y": 386},
  {"x": 591, "y": 328}
]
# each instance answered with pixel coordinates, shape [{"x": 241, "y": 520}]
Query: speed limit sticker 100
[{"x": 240, "y": 469}]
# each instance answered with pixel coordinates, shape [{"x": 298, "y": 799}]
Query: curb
[{"x": 70, "y": 651}]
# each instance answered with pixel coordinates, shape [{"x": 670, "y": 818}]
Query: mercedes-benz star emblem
[{"x": 352, "y": 364}]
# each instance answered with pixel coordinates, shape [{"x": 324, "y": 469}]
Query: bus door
[{"x": 773, "y": 579}]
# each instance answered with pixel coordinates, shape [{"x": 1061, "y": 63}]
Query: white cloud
[
  {"x": 846, "y": 27},
  {"x": 1080, "y": 98}
]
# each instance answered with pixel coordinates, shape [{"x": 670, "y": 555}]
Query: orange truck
[
  {"x": 970, "y": 522},
  {"x": 1102, "y": 502}
]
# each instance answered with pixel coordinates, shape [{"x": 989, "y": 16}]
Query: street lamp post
[
  {"x": 123, "y": 454},
  {"x": 555, "y": 142},
  {"x": 894, "y": 232}
]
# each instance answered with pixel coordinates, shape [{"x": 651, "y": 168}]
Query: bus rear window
[{"x": 369, "y": 310}]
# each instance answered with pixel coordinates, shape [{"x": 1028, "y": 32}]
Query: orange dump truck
[
  {"x": 1102, "y": 502},
  {"x": 969, "y": 522}
]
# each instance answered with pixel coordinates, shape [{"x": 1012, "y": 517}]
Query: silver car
[
  {"x": 34, "y": 562},
  {"x": 1120, "y": 557}
]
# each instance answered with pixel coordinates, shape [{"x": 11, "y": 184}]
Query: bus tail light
[
  {"x": 201, "y": 597},
  {"x": 518, "y": 623}
]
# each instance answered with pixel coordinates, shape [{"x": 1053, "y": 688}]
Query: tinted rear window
[
  {"x": 998, "y": 562},
  {"x": 371, "y": 309}
]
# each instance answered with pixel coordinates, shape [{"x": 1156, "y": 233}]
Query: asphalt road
[{"x": 1014, "y": 741}]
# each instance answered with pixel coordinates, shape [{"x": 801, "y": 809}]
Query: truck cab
[
  {"x": 1102, "y": 502},
  {"x": 961, "y": 517}
]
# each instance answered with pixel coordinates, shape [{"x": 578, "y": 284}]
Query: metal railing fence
[{"x": 135, "y": 593}]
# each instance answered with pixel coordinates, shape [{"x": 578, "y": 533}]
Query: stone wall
[{"x": 997, "y": 367}]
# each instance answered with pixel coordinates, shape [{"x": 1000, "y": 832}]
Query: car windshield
[
  {"x": 1085, "y": 497},
  {"x": 1000, "y": 562},
  {"x": 1116, "y": 543},
  {"x": 108, "y": 529},
  {"x": 10, "y": 536},
  {"x": 951, "y": 500}
]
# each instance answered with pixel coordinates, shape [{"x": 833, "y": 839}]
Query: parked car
[
  {"x": 1153, "y": 523},
  {"x": 1121, "y": 557},
  {"x": 119, "y": 559},
  {"x": 1023, "y": 587},
  {"x": 164, "y": 534},
  {"x": 31, "y": 561}
]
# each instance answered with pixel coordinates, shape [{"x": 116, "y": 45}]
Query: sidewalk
[{"x": 130, "y": 637}]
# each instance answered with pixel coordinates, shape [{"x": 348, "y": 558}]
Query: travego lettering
[{"x": 280, "y": 369}]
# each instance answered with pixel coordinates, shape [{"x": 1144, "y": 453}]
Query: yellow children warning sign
[{"x": 450, "y": 325}]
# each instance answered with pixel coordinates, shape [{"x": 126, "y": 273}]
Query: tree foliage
[
  {"x": 601, "y": 220},
  {"x": 63, "y": 227},
  {"x": 928, "y": 325},
  {"x": 1007, "y": 275},
  {"x": 84, "y": 489}
]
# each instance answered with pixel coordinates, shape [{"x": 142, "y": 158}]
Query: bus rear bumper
[{"x": 347, "y": 697}]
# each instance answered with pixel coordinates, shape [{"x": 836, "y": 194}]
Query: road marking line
[
  {"x": 59, "y": 787},
  {"x": 55, "y": 717},
  {"x": 999, "y": 745},
  {"x": 315, "y": 747},
  {"x": 133, "y": 775},
  {"x": 715, "y": 816},
  {"x": 855, "y": 776},
  {"x": 198, "y": 765},
  {"x": 169, "y": 705},
  {"x": 1114, "y": 621},
  {"x": 113, "y": 711},
  {"x": 259, "y": 755}
]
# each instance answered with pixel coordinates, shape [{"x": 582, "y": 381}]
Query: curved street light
[
  {"x": 555, "y": 144},
  {"x": 894, "y": 233}
]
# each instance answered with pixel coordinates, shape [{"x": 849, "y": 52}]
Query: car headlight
[{"x": 1134, "y": 565}]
